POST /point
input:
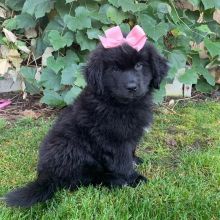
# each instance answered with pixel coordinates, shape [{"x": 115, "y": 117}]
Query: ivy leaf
[
  {"x": 52, "y": 99},
  {"x": 71, "y": 57},
  {"x": 177, "y": 61},
  {"x": 69, "y": 74},
  {"x": 209, "y": 78},
  {"x": 150, "y": 26},
  {"x": 189, "y": 77},
  {"x": 115, "y": 15},
  {"x": 84, "y": 42},
  {"x": 213, "y": 47},
  {"x": 80, "y": 81},
  {"x": 71, "y": 95},
  {"x": 55, "y": 65},
  {"x": 50, "y": 80},
  {"x": 125, "y": 27},
  {"x": 203, "y": 86},
  {"x": 81, "y": 21},
  {"x": 94, "y": 33},
  {"x": 158, "y": 31},
  {"x": 28, "y": 73},
  {"x": 25, "y": 21},
  {"x": 164, "y": 8},
  {"x": 58, "y": 41},
  {"x": 158, "y": 95},
  {"x": 38, "y": 8},
  {"x": 69, "y": 1},
  {"x": 31, "y": 85},
  {"x": 204, "y": 28},
  {"x": 128, "y": 5},
  {"x": 208, "y": 4},
  {"x": 16, "y": 5}
]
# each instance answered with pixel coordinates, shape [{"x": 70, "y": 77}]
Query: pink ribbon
[
  {"x": 114, "y": 38},
  {"x": 4, "y": 103}
]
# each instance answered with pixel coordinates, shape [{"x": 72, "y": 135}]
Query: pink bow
[{"x": 114, "y": 38}]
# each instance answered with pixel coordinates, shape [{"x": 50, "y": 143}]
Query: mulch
[{"x": 31, "y": 106}]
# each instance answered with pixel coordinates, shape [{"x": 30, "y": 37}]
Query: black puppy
[{"x": 93, "y": 140}]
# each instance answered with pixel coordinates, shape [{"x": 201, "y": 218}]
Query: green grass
[{"x": 182, "y": 162}]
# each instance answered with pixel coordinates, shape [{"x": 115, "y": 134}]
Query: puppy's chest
[{"x": 123, "y": 125}]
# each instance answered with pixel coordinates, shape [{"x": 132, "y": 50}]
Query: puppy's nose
[{"x": 131, "y": 87}]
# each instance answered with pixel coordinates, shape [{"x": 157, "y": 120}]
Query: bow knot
[{"x": 114, "y": 38}]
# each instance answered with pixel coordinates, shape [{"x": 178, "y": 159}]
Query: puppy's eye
[{"x": 138, "y": 66}]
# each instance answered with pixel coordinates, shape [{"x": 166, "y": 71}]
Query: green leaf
[
  {"x": 115, "y": 15},
  {"x": 164, "y": 8},
  {"x": 69, "y": 74},
  {"x": 31, "y": 85},
  {"x": 38, "y": 8},
  {"x": 209, "y": 78},
  {"x": 55, "y": 65},
  {"x": 71, "y": 57},
  {"x": 80, "y": 81},
  {"x": 69, "y": 1},
  {"x": 94, "y": 33},
  {"x": 125, "y": 27},
  {"x": 50, "y": 80},
  {"x": 204, "y": 28},
  {"x": 52, "y": 99},
  {"x": 16, "y": 5},
  {"x": 10, "y": 24},
  {"x": 213, "y": 47},
  {"x": 28, "y": 73},
  {"x": 189, "y": 77},
  {"x": 150, "y": 26},
  {"x": 208, "y": 4},
  {"x": 177, "y": 60},
  {"x": 58, "y": 41},
  {"x": 158, "y": 95},
  {"x": 203, "y": 86},
  {"x": 128, "y": 5},
  {"x": 81, "y": 21},
  {"x": 71, "y": 95},
  {"x": 25, "y": 21},
  {"x": 84, "y": 42}
]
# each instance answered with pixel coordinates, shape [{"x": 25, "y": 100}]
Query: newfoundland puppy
[{"x": 93, "y": 141}]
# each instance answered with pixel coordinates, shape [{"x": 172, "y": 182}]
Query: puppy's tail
[{"x": 34, "y": 192}]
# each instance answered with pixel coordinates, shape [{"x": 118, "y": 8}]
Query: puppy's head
[{"x": 124, "y": 73}]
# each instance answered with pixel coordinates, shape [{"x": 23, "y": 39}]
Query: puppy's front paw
[
  {"x": 138, "y": 180},
  {"x": 141, "y": 178}
]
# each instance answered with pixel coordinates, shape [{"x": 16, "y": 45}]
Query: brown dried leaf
[
  {"x": 31, "y": 114},
  {"x": 216, "y": 15},
  {"x": 4, "y": 65},
  {"x": 15, "y": 57}
]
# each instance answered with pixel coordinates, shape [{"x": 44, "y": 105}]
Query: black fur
[{"x": 93, "y": 141}]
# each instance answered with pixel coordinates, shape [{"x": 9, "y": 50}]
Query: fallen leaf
[
  {"x": 24, "y": 49},
  {"x": 15, "y": 57},
  {"x": 30, "y": 114},
  {"x": 4, "y": 65},
  {"x": 38, "y": 74},
  {"x": 216, "y": 15},
  {"x": 3, "y": 13},
  {"x": 13, "y": 74},
  {"x": 9, "y": 35},
  {"x": 4, "y": 50}
]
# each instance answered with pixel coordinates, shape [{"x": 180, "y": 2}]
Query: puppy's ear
[
  {"x": 93, "y": 73},
  {"x": 159, "y": 66}
]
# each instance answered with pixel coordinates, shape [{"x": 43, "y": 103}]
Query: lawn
[{"x": 181, "y": 160}]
